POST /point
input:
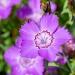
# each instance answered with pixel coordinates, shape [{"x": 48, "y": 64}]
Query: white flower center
[
  {"x": 43, "y": 39},
  {"x": 26, "y": 62}
]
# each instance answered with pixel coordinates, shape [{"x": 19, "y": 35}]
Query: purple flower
[
  {"x": 69, "y": 48},
  {"x": 16, "y": 2},
  {"x": 6, "y": 6},
  {"x": 70, "y": 45},
  {"x": 31, "y": 11},
  {"x": 44, "y": 38},
  {"x": 4, "y": 13},
  {"x": 62, "y": 59},
  {"x": 24, "y": 11},
  {"x": 21, "y": 65}
]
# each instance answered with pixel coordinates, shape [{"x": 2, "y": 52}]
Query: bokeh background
[{"x": 9, "y": 28}]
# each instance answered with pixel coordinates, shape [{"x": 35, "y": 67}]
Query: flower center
[
  {"x": 43, "y": 39},
  {"x": 26, "y": 62}
]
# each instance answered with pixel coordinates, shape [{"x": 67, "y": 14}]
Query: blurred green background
[{"x": 9, "y": 28}]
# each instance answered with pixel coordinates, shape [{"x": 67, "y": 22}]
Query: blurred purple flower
[
  {"x": 69, "y": 48},
  {"x": 14, "y": 2},
  {"x": 70, "y": 45},
  {"x": 44, "y": 38},
  {"x": 24, "y": 11},
  {"x": 6, "y": 6},
  {"x": 4, "y": 13},
  {"x": 53, "y": 6},
  {"x": 21, "y": 65},
  {"x": 31, "y": 11},
  {"x": 62, "y": 59}
]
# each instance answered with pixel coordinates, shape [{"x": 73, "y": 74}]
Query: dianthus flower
[
  {"x": 21, "y": 65},
  {"x": 44, "y": 38},
  {"x": 6, "y": 6}
]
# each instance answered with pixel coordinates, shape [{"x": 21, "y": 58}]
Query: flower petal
[
  {"x": 37, "y": 68},
  {"x": 61, "y": 36},
  {"x": 16, "y": 2},
  {"x": 49, "y": 22},
  {"x": 29, "y": 30},
  {"x": 48, "y": 54},
  {"x": 28, "y": 49},
  {"x": 35, "y": 5},
  {"x": 11, "y": 55},
  {"x": 53, "y": 6},
  {"x": 19, "y": 42},
  {"x": 5, "y": 13},
  {"x": 16, "y": 70}
]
